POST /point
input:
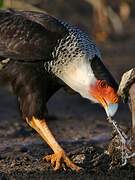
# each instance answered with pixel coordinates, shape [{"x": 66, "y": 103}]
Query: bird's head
[
  {"x": 106, "y": 95},
  {"x": 104, "y": 88}
]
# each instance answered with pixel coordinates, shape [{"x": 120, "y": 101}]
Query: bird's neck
[
  {"x": 74, "y": 45},
  {"x": 78, "y": 75},
  {"x": 71, "y": 61}
]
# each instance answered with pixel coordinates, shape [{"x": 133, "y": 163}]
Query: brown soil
[{"x": 76, "y": 123}]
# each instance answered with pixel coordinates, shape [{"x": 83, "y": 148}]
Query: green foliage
[{"x": 1, "y": 3}]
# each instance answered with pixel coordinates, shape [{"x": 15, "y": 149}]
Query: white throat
[{"x": 79, "y": 76}]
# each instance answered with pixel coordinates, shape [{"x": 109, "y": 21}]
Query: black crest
[{"x": 101, "y": 72}]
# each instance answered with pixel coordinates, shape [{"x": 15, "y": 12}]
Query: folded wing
[{"x": 28, "y": 36}]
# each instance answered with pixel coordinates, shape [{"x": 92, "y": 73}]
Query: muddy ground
[{"x": 80, "y": 127}]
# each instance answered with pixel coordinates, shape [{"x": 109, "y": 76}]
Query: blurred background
[{"x": 112, "y": 25}]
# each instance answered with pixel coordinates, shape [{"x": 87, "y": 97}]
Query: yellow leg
[{"x": 59, "y": 157}]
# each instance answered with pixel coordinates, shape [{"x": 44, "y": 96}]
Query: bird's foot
[{"x": 59, "y": 159}]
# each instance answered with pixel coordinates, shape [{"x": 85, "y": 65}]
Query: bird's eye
[{"x": 103, "y": 84}]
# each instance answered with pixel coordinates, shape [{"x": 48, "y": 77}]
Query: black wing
[{"x": 28, "y": 35}]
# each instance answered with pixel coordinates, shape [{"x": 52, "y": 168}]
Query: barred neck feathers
[{"x": 72, "y": 60}]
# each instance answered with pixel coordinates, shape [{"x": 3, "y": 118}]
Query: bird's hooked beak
[{"x": 111, "y": 109}]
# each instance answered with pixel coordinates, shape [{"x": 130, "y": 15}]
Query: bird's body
[{"x": 43, "y": 55}]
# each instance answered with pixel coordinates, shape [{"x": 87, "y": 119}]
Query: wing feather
[{"x": 28, "y": 35}]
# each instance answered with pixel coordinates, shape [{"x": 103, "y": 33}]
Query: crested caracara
[{"x": 44, "y": 54}]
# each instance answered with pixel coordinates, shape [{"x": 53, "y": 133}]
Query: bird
[{"x": 39, "y": 54}]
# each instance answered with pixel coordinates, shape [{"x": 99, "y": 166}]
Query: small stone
[{"x": 79, "y": 159}]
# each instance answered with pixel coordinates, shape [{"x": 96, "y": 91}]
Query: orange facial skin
[{"x": 104, "y": 93}]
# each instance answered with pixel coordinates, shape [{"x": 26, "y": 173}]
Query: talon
[
  {"x": 53, "y": 161},
  {"x": 47, "y": 158},
  {"x": 59, "y": 159}
]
